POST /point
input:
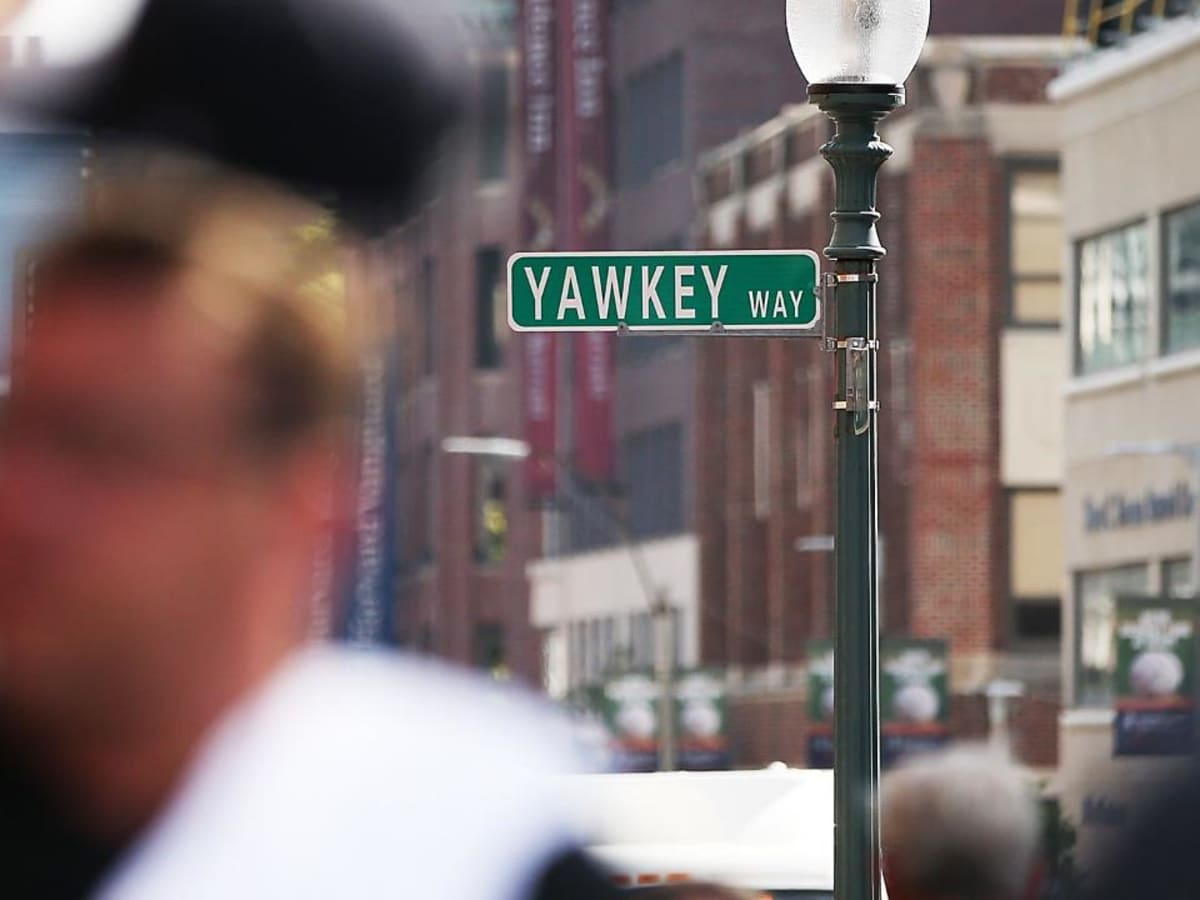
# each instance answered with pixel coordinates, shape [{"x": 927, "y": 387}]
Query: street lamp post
[{"x": 856, "y": 55}]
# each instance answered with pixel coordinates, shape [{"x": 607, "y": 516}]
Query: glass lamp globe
[{"x": 857, "y": 41}]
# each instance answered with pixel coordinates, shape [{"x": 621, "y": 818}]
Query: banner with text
[
  {"x": 628, "y": 705},
  {"x": 913, "y": 697},
  {"x": 587, "y": 168},
  {"x": 702, "y": 720},
  {"x": 820, "y": 704},
  {"x": 914, "y": 708},
  {"x": 1155, "y": 650},
  {"x": 369, "y": 618},
  {"x": 539, "y": 213}
]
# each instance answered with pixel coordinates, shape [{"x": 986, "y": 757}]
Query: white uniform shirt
[{"x": 352, "y": 775}]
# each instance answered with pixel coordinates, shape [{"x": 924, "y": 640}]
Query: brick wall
[
  {"x": 443, "y": 597},
  {"x": 767, "y": 729},
  {"x": 954, "y": 192}
]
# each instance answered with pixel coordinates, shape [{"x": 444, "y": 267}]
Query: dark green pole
[{"x": 856, "y": 153}]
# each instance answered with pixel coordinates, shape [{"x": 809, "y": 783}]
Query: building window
[
  {"x": 1114, "y": 299},
  {"x": 651, "y": 121},
  {"x": 1177, "y": 578},
  {"x": 1182, "y": 312},
  {"x": 1096, "y": 594},
  {"x": 491, "y": 512},
  {"x": 428, "y": 315},
  {"x": 489, "y": 309},
  {"x": 654, "y": 480},
  {"x": 1035, "y": 563},
  {"x": 493, "y": 122},
  {"x": 626, "y": 6},
  {"x": 1037, "y": 623},
  {"x": 634, "y": 348},
  {"x": 491, "y": 654},
  {"x": 1036, "y": 247}
]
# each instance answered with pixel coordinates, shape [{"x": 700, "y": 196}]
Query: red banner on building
[
  {"x": 587, "y": 169},
  {"x": 539, "y": 205},
  {"x": 541, "y": 414}
]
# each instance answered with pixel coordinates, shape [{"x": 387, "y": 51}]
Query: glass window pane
[
  {"x": 651, "y": 118},
  {"x": 1177, "y": 577},
  {"x": 1114, "y": 299},
  {"x": 1036, "y": 246},
  {"x": 1097, "y": 595},
  {"x": 653, "y": 461},
  {"x": 1037, "y": 621},
  {"x": 1038, "y": 301},
  {"x": 1183, "y": 279},
  {"x": 490, "y": 309},
  {"x": 491, "y": 512},
  {"x": 493, "y": 122}
]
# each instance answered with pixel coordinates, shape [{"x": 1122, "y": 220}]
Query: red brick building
[
  {"x": 970, "y": 453},
  {"x": 465, "y": 529}
]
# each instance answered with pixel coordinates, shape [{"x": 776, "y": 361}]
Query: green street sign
[{"x": 757, "y": 290}]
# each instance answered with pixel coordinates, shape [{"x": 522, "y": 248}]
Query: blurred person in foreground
[
  {"x": 166, "y": 478},
  {"x": 960, "y": 824},
  {"x": 1156, "y": 856}
]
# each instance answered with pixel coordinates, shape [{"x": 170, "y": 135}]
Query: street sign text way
[{"x": 664, "y": 291}]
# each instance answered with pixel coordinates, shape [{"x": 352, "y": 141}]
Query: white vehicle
[{"x": 769, "y": 830}]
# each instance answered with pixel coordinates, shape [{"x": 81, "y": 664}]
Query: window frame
[
  {"x": 631, "y": 171},
  {"x": 494, "y": 72},
  {"x": 1145, "y": 221},
  {"x": 1077, "y": 599},
  {"x": 1162, "y": 336},
  {"x": 1015, "y": 600},
  {"x": 495, "y": 358},
  {"x": 485, "y": 473},
  {"x": 1043, "y": 165},
  {"x": 642, "y": 517}
]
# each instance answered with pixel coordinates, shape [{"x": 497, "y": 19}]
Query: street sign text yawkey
[{"x": 763, "y": 290}]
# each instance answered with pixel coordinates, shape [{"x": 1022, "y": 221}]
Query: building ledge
[
  {"x": 1100, "y": 67},
  {"x": 1099, "y": 382},
  {"x": 1086, "y": 718},
  {"x": 1176, "y": 363},
  {"x": 1159, "y": 368}
]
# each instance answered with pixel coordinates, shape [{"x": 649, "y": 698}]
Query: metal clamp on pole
[
  {"x": 858, "y": 382},
  {"x": 829, "y": 285}
]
